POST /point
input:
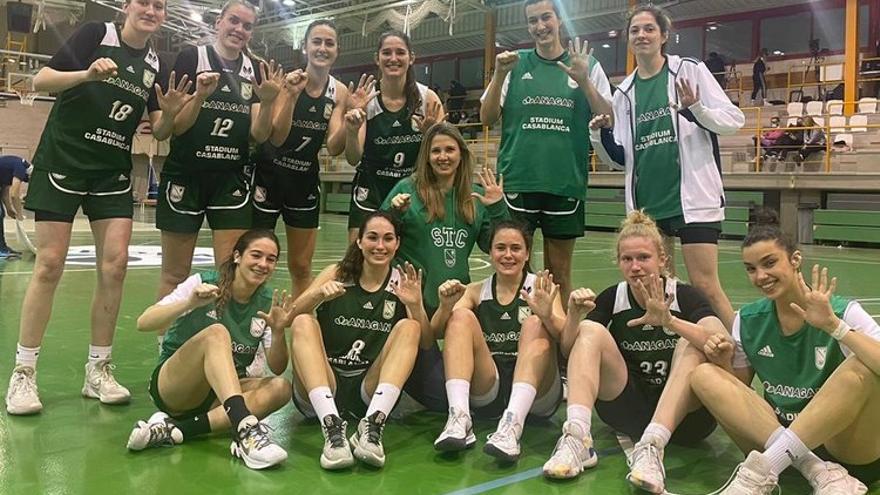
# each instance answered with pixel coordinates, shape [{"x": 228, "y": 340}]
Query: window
[
  {"x": 731, "y": 40},
  {"x": 786, "y": 34},
  {"x": 442, "y": 71},
  {"x": 423, "y": 73},
  {"x": 687, "y": 42},
  {"x": 864, "y": 28},
  {"x": 829, "y": 27},
  {"x": 470, "y": 72},
  {"x": 605, "y": 52}
]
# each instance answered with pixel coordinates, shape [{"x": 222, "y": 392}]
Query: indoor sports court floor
[{"x": 77, "y": 446}]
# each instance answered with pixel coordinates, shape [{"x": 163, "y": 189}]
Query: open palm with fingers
[
  {"x": 656, "y": 301},
  {"x": 282, "y": 311},
  {"x": 815, "y": 307}
]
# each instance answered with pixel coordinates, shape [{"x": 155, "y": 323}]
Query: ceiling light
[
  {"x": 289, "y": 3},
  {"x": 606, "y": 45}
]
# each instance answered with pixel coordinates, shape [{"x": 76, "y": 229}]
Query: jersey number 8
[
  {"x": 120, "y": 111},
  {"x": 222, "y": 127}
]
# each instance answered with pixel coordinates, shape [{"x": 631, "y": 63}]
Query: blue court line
[{"x": 517, "y": 477}]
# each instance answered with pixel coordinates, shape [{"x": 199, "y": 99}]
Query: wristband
[{"x": 842, "y": 329}]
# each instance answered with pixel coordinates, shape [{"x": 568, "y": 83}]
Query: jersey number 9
[{"x": 399, "y": 158}]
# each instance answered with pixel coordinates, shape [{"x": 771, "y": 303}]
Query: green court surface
[{"x": 77, "y": 446}]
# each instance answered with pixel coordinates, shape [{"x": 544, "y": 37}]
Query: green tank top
[
  {"x": 218, "y": 140},
  {"x": 91, "y": 125},
  {"x": 792, "y": 368},
  {"x": 356, "y": 325},
  {"x": 392, "y": 141},
  {"x": 545, "y": 142},
  {"x": 245, "y": 328},
  {"x": 501, "y": 323}
]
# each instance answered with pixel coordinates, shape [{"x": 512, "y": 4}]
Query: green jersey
[
  {"x": 245, "y": 327},
  {"x": 501, "y": 323},
  {"x": 545, "y": 142},
  {"x": 441, "y": 248},
  {"x": 392, "y": 141},
  {"x": 647, "y": 350},
  {"x": 658, "y": 172},
  {"x": 792, "y": 368},
  {"x": 91, "y": 125},
  {"x": 218, "y": 140},
  {"x": 308, "y": 129},
  {"x": 356, "y": 325}
]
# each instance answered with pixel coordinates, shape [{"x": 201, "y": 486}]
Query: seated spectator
[
  {"x": 790, "y": 140},
  {"x": 769, "y": 137},
  {"x": 813, "y": 139}
]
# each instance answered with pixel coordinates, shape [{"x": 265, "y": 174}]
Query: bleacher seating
[
  {"x": 814, "y": 108},
  {"x": 834, "y": 107},
  {"x": 795, "y": 109},
  {"x": 868, "y": 105}
]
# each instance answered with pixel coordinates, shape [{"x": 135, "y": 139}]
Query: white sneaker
[
  {"x": 504, "y": 443},
  {"x": 100, "y": 384},
  {"x": 835, "y": 480},
  {"x": 752, "y": 477},
  {"x": 253, "y": 445},
  {"x": 337, "y": 451},
  {"x": 458, "y": 434},
  {"x": 573, "y": 453},
  {"x": 257, "y": 368},
  {"x": 367, "y": 442},
  {"x": 22, "y": 396},
  {"x": 646, "y": 468},
  {"x": 155, "y": 432}
]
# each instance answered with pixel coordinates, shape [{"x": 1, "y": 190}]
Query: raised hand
[
  {"x": 409, "y": 288},
  {"x": 816, "y": 309},
  {"x": 354, "y": 119},
  {"x": 719, "y": 351},
  {"x": 203, "y": 294},
  {"x": 579, "y": 55},
  {"x": 101, "y": 69},
  {"x": 360, "y": 96},
  {"x": 580, "y": 302},
  {"x": 450, "y": 292},
  {"x": 206, "y": 83},
  {"x": 431, "y": 117},
  {"x": 687, "y": 96},
  {"x": 544, "y": 292},
  {"x": 505, "y": 62},
  {"x": 295, "y": 82},
  {"x": 177, "y": 96},
  {"x": 281, "y": 313},
  {"x": 272, "y": 80},
  {"x": 331, "y": 290},
  {"x": 656, "y": 303},
  {"x": 401, "y": 201},
  {"x": 493, "y": 190},
  {"x": 600, "y": 121}
]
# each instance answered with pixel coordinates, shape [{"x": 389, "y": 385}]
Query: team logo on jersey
[
  {"x": 526, "y": 77},
  {"x": 312, "y": 109},
  {"x": 572, "y": 83},
  {"x": 130, "y": 69},
  {"x": 225, "y": 88},
  {"x": 176, "y": 193},
  {"x": 389, "y": 309},
  {"x": 369, "y": 305},
  {"x": 766, "y": 351},
  {"x": 523, "y": 313},
  {"x": 247, "y": 91},
  {"x": 504, "y": 316},
  {"x": 212, "y": 314},
  {"x": 821, "y": 356},
  {"x": 396, "y": 123},
  {"x": 361, "y": 193},
  {"x": 328, "y": 110},
  {"x": 260, "y": 194},
  {"x": 258, "y": 326},
  {"x": 149, "y": 78},
  {"x": 449, "y": 257}
]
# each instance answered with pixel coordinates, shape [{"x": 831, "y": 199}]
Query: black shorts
[
  {"x": 294, "y": 196},
  {"x": 558, "y": 217},
  {"x": 427, "y": 382},
  {"x": 368, "y": 191},
  {"x": 690, "y": 233},
  {"x": 205, "y": 406},
  {"x": 544, "y": 407},
  {"x": 632, "y": 410}
]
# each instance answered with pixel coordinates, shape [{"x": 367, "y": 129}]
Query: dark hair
[
  {"x": 764, "y": 226},
  {"x": 519, "y": 227},
  {"x": 318, "y": 22},
  {"x": 553, "y": 3},
  {"x": 352, "y": 264},
  {"x": 660, "y": 16},
  {"x": 411, "y": 88},
  {"x": 227, "y": 268}
]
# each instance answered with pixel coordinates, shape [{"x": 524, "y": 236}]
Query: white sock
[
  {"x": 458, "y": 392},
  {"x": 807, "y": 464},
  {"x": 27, "y": 356},
  {"x": 383, "y": 400},
  {"x": 99, "y": 352},
  {"x": 322, "y": 402},
  {"x": 786, "y": 450},
  {"x": 773, "y": 437},
  {"x": 657, "y": 434},
  {"x": 522, "y": 396},
  {"x": 580, "y": 414}
]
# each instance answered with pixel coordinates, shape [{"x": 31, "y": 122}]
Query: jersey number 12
[{"x": 222, "y": 127}]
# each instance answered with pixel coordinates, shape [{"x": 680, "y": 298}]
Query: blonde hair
[
  {"x": 639, "y": 224},
  {"x": 425, "y": 181}
]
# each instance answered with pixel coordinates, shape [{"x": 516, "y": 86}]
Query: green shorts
[
  {"x": 350, "y": 397},
  {"x": 558, "y": 217},
  {"x": 690, "y": 233},
  {"x": 202, "y": 408},
  {"x": 101, "y": 195},
  {"x": 368, "y": 191},
  {"x": 224, "y": 197},
  {"x": 293, "y": 196}
]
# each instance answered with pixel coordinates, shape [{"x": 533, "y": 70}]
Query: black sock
[
  {"x": 194, "y": 426},
  {"x": 236, "y": 409}
]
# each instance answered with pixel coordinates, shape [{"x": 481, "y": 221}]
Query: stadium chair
[
  {"x": 837, "y": 123},
  {"x": 868, "y": 105},
  {"x": 795, "y": 109},
  {"x": 858, "y": 123},
  {"x": 814, "y": 108},
  {"x": 834, "y": 107}
]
